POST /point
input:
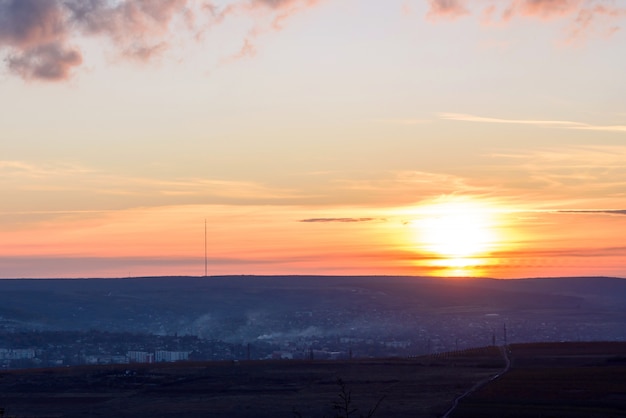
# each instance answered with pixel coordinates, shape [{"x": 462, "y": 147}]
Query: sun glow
[{"x": 458, "y": 234}]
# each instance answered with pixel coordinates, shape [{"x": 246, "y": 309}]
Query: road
[{"x": 505, "y": 354}]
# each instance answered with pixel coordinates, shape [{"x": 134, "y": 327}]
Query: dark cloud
[
  {"x": 30, "y": 23},
  {"x": 38, "y": 33},
  {"x": 600, "y": 211},
  {"x": 35, "y": 33},
  {"x": 46, "y": 62},
  {"x": 137, "y": 27},
  {"x": 338, "y": 220}
]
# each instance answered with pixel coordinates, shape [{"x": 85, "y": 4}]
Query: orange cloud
[
  {"x": 583, "y": 16},
  {"x": 447, "y": 9},
  {"x": 544, "y": 9}
]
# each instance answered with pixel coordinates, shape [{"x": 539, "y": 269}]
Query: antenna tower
[{"x": 205, "y": 259}]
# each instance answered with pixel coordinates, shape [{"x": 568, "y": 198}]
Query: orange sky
[{"x": 463, "y": 138}]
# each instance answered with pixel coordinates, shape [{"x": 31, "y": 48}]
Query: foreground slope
[
  {"x": 423, "y": 387},
  {"x": 566, "y": 380}
]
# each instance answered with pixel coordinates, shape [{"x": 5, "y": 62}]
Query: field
[
  {"x": 566, "y": 380},
  {"x": 423, "y": 387}
]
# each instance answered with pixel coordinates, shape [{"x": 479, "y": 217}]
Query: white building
[{"x": 170, "y": 356}]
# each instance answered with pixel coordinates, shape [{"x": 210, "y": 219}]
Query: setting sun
[{"x": 457, "y": 233}]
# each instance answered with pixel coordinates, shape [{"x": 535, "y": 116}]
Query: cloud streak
[
  {"x": 574, "y": 176},
  {"x": 341, "y": 220},
  {"x": 464, "y": 117},
  {"x": 595, "y": 211}
]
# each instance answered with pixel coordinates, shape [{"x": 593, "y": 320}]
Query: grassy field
[
  {"x": 566, "y": 380},
  {"x": 421, "y": 387}
]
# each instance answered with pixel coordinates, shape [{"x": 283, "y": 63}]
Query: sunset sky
[{"x": 413, "y": 137}]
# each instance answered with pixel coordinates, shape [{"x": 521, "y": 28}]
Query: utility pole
[
  {"x": 205, "y": 253},
  {"x": 505, "y": 342}
]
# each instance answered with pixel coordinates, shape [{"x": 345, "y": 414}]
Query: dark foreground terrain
[
  {"x": 565, "y": 380},
  {"x": 420, "y": 387}
]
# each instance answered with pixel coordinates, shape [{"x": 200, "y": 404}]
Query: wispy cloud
[
  {"x": 566, "y": 124},
  {"x": 16, "y": 168},
  {"x": 339, "y": 220},
  {"x": 605, "y": 128},
  {"x": 270, "y": 16},
  {"x": 449, "y": 9},
  {"x": 400, "y": 121},
  {"x": 570, "y": 176},
  {"x": 581, "y": 17},
  {"x": 595, "y": 211},
  {"x": 56, "y": 187}
]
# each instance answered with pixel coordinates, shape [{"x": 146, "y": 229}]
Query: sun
[{"x": 458, "y": 234}]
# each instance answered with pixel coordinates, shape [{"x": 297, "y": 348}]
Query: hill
[{"x": 425, "y": 314}]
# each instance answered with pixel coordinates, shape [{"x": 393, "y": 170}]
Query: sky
[{"x": 474, "y": 138}]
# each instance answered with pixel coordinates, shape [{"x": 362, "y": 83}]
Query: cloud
[
  {"x": 22, "y": 169},
  {"x": 463, "y": 117},
  {"x": 46, "y": 62},
  {"x": 284, "y": 8},
  {"x": 339, "y": 220},
  {"x": 570, "y": 176},
  {"x": 400, "y": 121},
  {"x": 584, "y": 16},
  {"x": 544, "y": 9},
  {"x": 539, "y": 254},
  {"x": 595, "y": 211},
  {"x": 581, "y": 16},
  {"x": 38, "y": 34},
  {"x": 450, "y": 9},
  {"x": 39, "y": 37},
  {"x": 138, "y": 28},
  {"x": 35, "y": 32},
  {"x": 606, "y": 128},
  {"x": 278, "y": 11},
  {"x": 28, "y": 23}
]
